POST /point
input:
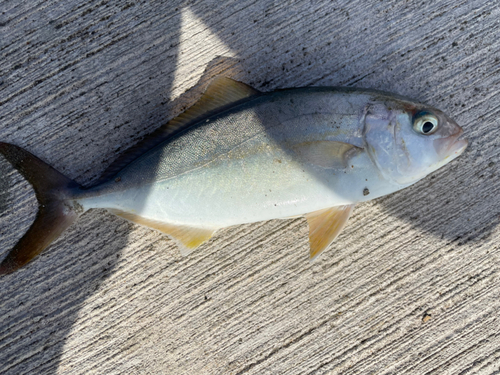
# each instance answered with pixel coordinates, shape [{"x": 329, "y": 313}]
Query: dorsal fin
[
  {"x": 324, "y": 226},
  {"x": 188, "y": 238},
  {"x": 221, "y": 92}
]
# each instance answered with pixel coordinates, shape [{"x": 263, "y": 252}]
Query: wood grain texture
[{"x": 412, "y": 284}]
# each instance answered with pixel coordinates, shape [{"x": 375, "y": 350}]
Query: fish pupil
[{"x": 427, "y": 127}]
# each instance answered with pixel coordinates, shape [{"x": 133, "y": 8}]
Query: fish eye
[{"x": 425, "y": 123}]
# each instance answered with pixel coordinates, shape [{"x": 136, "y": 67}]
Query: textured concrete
[{"x": 411, "y": 286}]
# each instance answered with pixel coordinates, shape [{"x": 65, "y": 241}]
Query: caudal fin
[{"x": 55, "y": 212}]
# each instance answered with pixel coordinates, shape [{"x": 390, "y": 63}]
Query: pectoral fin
[
  {"x": 189, "y": 238},
  {"x": 325, "y": 225},
  {"x": 326, "y": 154}
]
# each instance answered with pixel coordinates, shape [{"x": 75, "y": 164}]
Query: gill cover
[{"x": 407, "y": 141}]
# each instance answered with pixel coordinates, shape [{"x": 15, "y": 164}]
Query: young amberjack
[{"x": 241, "y": 156}]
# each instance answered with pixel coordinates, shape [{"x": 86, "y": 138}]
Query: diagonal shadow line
[{"x": 40, "y": 303}]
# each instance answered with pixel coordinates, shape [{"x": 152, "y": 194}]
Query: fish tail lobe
[{"x": 56, "y": 212}]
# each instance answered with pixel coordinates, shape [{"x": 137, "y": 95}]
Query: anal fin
[
  {"x": 325, "y": 225},
  {"x": 189, "y": 238}
]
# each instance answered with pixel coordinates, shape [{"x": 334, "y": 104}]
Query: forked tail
[{"x": 55, "y": 212}]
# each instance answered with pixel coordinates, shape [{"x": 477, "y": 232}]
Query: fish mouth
[
  {"x": 452, "y": 146},
  {"x": 458, "y": 147}
]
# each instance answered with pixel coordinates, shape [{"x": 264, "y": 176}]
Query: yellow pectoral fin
[
  {"x": 189, "y": 238},
  {"x": 325, "y": 225},
  {"x": 326, "y": 154}
]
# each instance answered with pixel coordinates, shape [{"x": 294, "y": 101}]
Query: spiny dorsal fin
[
  {"x": 326, "y": 154},
  {"x": 325, "y": 225},
  {"x": 221, "y": 92},
  {"x": 189, "y": 238}
]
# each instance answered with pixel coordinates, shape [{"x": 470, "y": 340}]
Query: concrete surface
[{"x": 410, "y": 287}]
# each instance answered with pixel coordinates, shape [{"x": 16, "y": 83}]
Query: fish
[{"x": 240, "y": 156}]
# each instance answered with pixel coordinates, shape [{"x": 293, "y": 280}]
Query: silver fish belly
[{"x": 241, "y": 156}]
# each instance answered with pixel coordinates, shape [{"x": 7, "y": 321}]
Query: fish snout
[{"x": 451, "y": 146}]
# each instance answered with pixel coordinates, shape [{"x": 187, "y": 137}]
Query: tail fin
[{"x": 55, "y": 213}]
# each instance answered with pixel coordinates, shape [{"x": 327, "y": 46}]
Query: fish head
[{"x": 407, "y": 140}]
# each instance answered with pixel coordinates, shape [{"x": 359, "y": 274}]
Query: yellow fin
[
  {"x": 325, "y": 225},
  {"x": 189, "y": 237},
  {"x": 326, "y": 154},
  {"x": 221, "y": 92}
]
